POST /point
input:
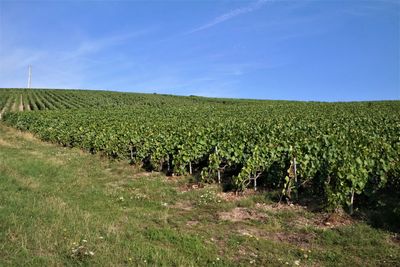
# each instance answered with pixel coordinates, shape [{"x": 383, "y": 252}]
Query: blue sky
[{"x": 301, "y": 50}]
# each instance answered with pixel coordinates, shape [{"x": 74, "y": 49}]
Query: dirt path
[
  {"x": 14, "y": 106},
  {"x": 21, "y": 104},
  {"x": 4, "y": 109},
  {"x": 1, "y": 112}
]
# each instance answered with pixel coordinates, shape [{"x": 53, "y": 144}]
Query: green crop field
[
  {"x": 342, "y": 150},
  {"x": 334, "y": 157}
]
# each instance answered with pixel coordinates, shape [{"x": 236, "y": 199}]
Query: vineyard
[{"x": 337, "y": 151}]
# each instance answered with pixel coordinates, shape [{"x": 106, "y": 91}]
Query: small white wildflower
[
  {"x": 84, "y": 240},
  {"x": 217, "y": 259},
  {"x": 297, "y": 263},
  {"x": 91, "y": 253}
]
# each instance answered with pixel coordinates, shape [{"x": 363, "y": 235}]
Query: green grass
[{"x": 54, "y": 199}]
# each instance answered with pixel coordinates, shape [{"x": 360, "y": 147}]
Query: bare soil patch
[
  {"x": 299, "y": 239},
  {"x": 189, "y": 187},
  {"x": 396, "y": 239},
  {"x": 319, "y": 220},
  {"x": 233, "y": 196},
  {"x": 278, "y": 207},
  {"x": 336, "y": 219}
]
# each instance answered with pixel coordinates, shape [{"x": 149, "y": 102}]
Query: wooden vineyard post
[
  {"x": 255, "y": 180},
  {"x": 295, "y": 176},
  {"x": 219, "y": 171},
  {"x": 351, "y": 202},
  {"x": 131, "y": 150}
]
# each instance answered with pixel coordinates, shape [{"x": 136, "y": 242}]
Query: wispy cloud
[
  {"x": 70, "y": 67},
  {"x": 230, "y": 15},
  {"x": 94, "y": 45}
]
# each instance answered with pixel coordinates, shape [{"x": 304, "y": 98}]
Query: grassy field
[{"x": 61, "y": 206}]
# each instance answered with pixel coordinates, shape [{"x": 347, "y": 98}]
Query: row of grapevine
[
  {"x": 44, "y": 99},
  {"x": 341, "y": 150}
]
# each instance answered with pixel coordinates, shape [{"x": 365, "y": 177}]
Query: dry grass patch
[
  {"x": 7, "y": 144},
  {"x": 28, "y": 136},
  {"x": 24, "y": 181},
  {"x": 118, "y": 226},
  {"x": 121, "y": 182},
  {"x": 54, "y": 160},
  {"x": 235, "y": 196},
  {"x": 183, "y": 205},
  {"x": 145, "y": 174},
  {"x": 192, "y": 223},
  {"x": 242, "y": 214},
  {"x": 56, "y": 203}
]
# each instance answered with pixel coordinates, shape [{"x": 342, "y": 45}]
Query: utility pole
[{"x": 29, "y": 76}]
